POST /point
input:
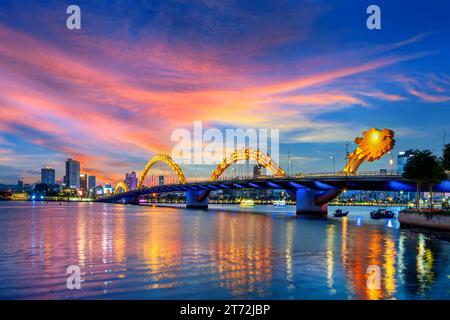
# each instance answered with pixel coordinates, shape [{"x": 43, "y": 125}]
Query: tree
[
  {"x": 424, "y": 168},
  {"x": 446, "y": 157}
]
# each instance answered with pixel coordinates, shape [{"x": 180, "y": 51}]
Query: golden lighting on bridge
[
  {"x": 248, "y": 154},
  {"x": 162, "y": 157},
  {"x": 121, "y": 186},
  {"x": 372, "y": 146}
]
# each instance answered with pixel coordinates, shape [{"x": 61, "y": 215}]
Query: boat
[
  {"x": 382, "y": 214},
  {"x": 340, "y": 213},
  {"x": 279, "y": 203},
  {"x": 247, "y": 203}
]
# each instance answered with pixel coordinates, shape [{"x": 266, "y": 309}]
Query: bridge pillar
[
  {"x": 193, "y": 203},
  {"x": 306, "y": 203}
]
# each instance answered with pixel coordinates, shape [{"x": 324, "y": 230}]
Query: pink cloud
[{"x": 95, "y": 108}]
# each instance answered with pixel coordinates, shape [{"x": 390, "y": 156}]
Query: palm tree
[
  {"x": 425, "y": 168},
  {"x": 446, "y": 157}
]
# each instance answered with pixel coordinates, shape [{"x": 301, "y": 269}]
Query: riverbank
[{"x": 429, "y": 219}]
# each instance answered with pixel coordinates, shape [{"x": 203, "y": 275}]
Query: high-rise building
[
  {"x": 72, "y": 174},
  {"x": 402, "y": 158},
  {"x": 20, "y": 185},
  {"x": 48, "y": 175},
  {"x": 107, "y": 189},
  {"x": 161, "y": 180},
  {"x": 131, "y": 180},
  {"x": 84, "y": 183},
  {"x": 91, "y": 183}
]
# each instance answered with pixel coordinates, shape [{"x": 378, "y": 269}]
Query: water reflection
[
  {"x": 424, "y": 263},
  {"x": 288, "y": 252},
  {"x": 136, "y": 252},
  {"x": 330, "y": 257},
  {"x": 160, "y": 246},
  {"x": 243, "y": 253}
]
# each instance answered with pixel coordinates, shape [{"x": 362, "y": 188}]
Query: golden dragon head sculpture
[{"x": 372, "y": 146}]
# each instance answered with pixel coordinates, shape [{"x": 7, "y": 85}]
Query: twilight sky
[{"x": 111, "y": 94}]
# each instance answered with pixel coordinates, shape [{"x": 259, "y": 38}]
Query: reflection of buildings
[{"x": 243, "y": 253}]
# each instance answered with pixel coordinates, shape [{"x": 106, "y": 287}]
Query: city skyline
[{"x": 110, "y": 95}]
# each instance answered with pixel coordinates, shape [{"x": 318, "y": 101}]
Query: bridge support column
[
  {"x": 306, "y": 203},
  {"x": 193, "y": 203}
]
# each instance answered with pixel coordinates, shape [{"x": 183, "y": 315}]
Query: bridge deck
[{"x": 322, "y": 181}]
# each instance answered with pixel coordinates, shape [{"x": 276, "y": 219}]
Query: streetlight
[
  {"x": 391, "y": 162},
  {"x": 334, "y": 164},
  {"x": 289, "y": 163}
]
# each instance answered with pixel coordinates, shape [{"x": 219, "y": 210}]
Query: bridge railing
[
  {"x": 307, "y": 175},
  {"x": 382, "y": 173}
]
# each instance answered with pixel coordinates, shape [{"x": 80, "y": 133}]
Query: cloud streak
[{"x": 115, "y": 104}]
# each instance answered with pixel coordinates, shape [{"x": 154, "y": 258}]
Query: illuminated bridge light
[
  {"x": 443, "y": 186},
  {"x": 296, "y": 185},
  {"x": 254, "y": 185},
  {"x": 400, "y": 186},
  {"x": 237, "y": 185},
  {"x": 359, "y": 221},
  {"x": 274, "y": 185},
  {"x": 322, "y": 185}
]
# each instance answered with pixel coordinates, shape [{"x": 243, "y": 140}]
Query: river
[{"x": 140, "y": 252}]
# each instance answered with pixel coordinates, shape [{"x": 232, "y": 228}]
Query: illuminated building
[
  {"x": 48, "y": 175},
  {"x": 39, "y": 191},
  {"x": 107, "y": 189},
  {"x": 402, "y": 158},
  {"x": 84, "y": 183},
  {"x": 20, "y": 185},
  {"x": 72, "y": 174},
  {"x": 131, "y": 180},
  {"x": 99, "y": 190},
  {"x": 91, "y": 183},
  {"x": 161, "y": 180}
]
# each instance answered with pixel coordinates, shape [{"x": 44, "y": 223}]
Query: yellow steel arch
[
  {"x": 162, "y": 157},
  {"x": 248, "y": 154},
  {"x": 121, "y": 186}
]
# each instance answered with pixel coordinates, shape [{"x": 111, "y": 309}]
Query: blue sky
[{"x": 111, "y": 93}]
